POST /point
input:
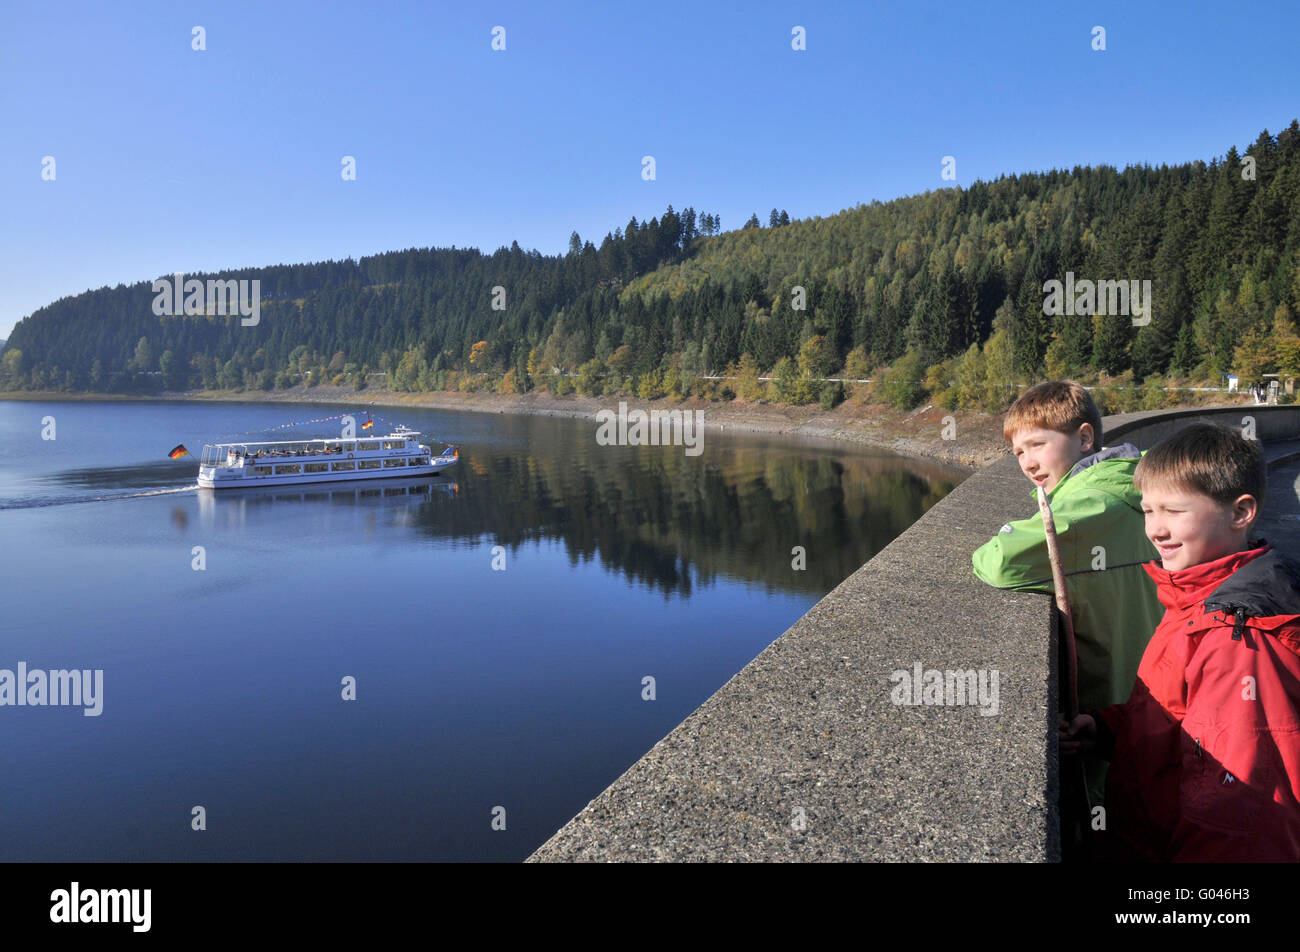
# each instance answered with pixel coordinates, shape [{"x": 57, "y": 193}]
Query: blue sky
[{"x": 170, "y": 159}]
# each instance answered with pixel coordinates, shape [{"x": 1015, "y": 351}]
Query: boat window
[
  {"x": 349, "y": 447},
  {"x": 368, "y": 464},
  {"x": 367, "y": 446},
  {"x": 339, "y": 466},
  {"x": 316, "y": 468},
  {"x": 394, "y": 444},
  {"x": 417, "y": 461},
  {"x": 261, "y": 470},
  {"x": 289, "y": 468},
  {"x": 389, "y": 463}
]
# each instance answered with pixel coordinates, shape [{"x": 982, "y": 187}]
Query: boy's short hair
[
  {"x": 1208, "y": 459},
  {"x": 1060, "y": 405}
]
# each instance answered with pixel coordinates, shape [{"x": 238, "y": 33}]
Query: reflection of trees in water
[{"x": 671, "y": 521}]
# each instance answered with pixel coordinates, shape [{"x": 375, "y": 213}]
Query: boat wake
[
  {"x": 46, "y": 501},
  {"x": 161, "y": 492}
]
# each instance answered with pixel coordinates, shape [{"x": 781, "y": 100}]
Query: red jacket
[{"x": 1206, "y": 752}]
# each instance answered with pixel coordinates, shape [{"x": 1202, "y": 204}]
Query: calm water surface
[{"x": 476, "y": 688}]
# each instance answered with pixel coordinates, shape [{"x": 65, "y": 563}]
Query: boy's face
[
  {"x": 1045, "y": 456},
  {"x": 1188, "y": 528}
]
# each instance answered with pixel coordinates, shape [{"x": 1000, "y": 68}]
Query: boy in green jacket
[{"x": 1054, "y": 428}]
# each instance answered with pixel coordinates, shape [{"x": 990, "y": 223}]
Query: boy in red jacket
[{"x": 1206, "y": 752}]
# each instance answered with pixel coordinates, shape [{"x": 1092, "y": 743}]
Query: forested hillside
[
  {"x": 950, "y": 280},
  {"x": 429, "y": 306}
]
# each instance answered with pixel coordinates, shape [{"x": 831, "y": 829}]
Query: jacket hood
[
  {"x": 1123, "y": 451},
  {"x": 1264, "y": 587},
  {"x": 1109, "y": 470}
]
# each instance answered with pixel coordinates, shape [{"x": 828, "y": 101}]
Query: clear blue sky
[{"x": 170, "y": 159}]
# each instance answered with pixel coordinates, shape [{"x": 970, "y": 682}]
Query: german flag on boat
[
  {"x": 368, "y": 424},
  {"x": 178, "y": 451}
]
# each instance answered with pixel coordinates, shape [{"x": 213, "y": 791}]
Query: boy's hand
[{"x": 1077, "y": 736}]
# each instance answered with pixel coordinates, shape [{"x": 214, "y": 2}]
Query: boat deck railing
[{"x": 219, "y": 454}]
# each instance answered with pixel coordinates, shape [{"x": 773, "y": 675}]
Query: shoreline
[{"x": 975, "y": 438}]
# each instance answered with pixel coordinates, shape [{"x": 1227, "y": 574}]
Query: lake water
[{"x": 499, "y": 621}]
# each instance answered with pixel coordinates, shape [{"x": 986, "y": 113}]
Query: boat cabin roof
[{"x": 395, "y": 435}]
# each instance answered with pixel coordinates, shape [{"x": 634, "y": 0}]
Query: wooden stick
[
  {"x": 1078, "y": 819},
  {"x": 1063, "y": 603}
]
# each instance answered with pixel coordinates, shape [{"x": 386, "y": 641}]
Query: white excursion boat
[{"x": 236, "y": 465}]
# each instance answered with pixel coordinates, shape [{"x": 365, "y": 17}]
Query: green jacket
[
  {"x": 1101, "y": 531},
  {"x": 1102, "y": 537}
]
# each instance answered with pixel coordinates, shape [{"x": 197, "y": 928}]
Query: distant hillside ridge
[
  {"x": 660, "y": 304},
  {"x": 340, "y": 317}
]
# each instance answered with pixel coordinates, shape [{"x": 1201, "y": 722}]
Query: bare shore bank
[{"x": 970, "y": 440}]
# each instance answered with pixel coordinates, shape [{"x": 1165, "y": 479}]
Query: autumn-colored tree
[
  {"x": 857, "y": 366},
  {"x": 621, "y": 361},
  {"x": 650, "y": 386},
  {"x": 1058, "y": 367},
  {"x": 143, "y": 360},
  {"x": 748, "y": 386},
  {"x": 1153, "y": 392},
  {"x": 1286, "y": 343},
  {"x": 167, "y": 364},
  {"x": 817, "y": 357},
  {"x": 673, "y": 383},
  {"x": 941, "y": 383},
  {"x": 999, "y": 372},
  {"x": 902, "y": 385},
  {"x": 590, "y": 378},
  {"x": 970, "y": 378},
  {"x": 479, "y": 354},
  {"x": 1254, "y": 356},
  {"x": 11, "y": 364}
]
